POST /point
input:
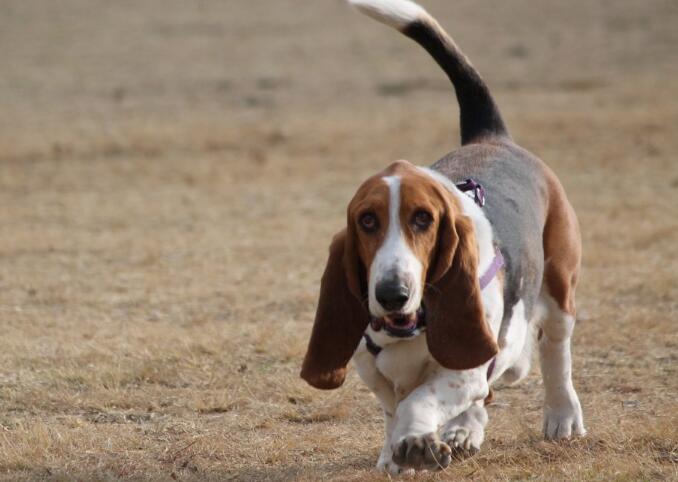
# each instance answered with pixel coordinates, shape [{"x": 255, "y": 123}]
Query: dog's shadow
[{"x": 307, "y": 470}]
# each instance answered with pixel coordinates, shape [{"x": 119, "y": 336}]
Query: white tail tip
[{"x": 396, "y": 13}]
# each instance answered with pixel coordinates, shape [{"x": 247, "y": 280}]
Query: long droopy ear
[
  {"x": 341, "y": 318},
  {"x": 458, "y": 336}
]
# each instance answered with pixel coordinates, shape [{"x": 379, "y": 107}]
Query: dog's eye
[
  {"x": 369, "y": 222},
  {"x": 422, "y": 220}
]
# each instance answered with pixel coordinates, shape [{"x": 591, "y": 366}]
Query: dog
[{"x": 445, "y": 277}]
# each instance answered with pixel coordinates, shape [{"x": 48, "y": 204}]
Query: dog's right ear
[
  {"x": 457, "y": 334},
  {"x": 341, "y": 318}
]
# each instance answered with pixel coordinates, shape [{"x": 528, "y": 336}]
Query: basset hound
[{"x": 445, "y": 277}]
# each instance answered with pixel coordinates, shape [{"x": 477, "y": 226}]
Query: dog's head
[{"x": 407, "y": 252}]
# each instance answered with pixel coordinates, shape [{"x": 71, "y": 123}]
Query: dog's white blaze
[
  {"x": 395, "y": 13},
  {"x": 395, "y": 256}
]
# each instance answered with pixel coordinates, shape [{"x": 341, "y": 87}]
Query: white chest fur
[{"x": 405, "y": 365}]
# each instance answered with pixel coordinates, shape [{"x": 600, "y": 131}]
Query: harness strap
[
  {"x": 478, "y": 191},
  {"x": 492, "y": 269}
]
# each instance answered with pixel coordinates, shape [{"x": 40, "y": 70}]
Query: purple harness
[
  {"x": 485, "y": 279},
  {"x": 498, "y": 260}
]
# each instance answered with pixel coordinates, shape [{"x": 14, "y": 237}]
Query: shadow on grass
[{"x": 308, "y": 471}]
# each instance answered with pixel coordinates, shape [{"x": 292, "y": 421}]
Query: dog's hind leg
[
  {"x": 562, "y": 249},
  {"x": 562, "y": 411},
  {"x": 521, "y": 367}
]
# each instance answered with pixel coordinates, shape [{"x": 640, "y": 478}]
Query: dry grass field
[{"x": 171, "y": 174}]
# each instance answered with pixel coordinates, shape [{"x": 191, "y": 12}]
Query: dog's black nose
[{"x": 392, "y": 294}]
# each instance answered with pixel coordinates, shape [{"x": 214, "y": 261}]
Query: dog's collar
[
  {"x": 486, "y": 278},
  {"x": 371, "y": 346}
]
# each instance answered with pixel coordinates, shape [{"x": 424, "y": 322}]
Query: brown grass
[{"x": 170, "y": 176}]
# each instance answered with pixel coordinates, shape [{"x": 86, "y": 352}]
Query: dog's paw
[
  {"x": 387, "y": 465},
  {"x": 464, "y": 441},
  {"x": 422, "y": 452},
  {"x": 466, "y": 432},
  {"x": 564, "y": 421}
]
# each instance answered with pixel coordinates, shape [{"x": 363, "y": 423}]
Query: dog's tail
[{"x": 479, "y": 115}]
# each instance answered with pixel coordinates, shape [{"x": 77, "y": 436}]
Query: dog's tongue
[{"x": 401, "y": 322}]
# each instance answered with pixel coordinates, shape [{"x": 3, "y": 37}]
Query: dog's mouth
[{"x": 400, "y": 325}]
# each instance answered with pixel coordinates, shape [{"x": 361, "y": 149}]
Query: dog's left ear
[
  {"x": 457, "y": 335},
  {"x": 341, "y": 318}
]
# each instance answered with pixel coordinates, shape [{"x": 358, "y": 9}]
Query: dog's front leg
[
  {"x": 385, "y": 462},
  {"x": 465, "y": 433},
  {"x": 444, "y": 395},
  {"x": 367, "y": 370}
]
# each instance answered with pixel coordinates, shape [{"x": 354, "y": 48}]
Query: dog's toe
[
  {"x": 463, "y": 441},
  {"x": 422, "y": 452},
  {"x": 391, "y": 468},
  {"x": 563, "y": 422}
]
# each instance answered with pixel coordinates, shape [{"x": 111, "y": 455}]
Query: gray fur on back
[{"x": 516, "y": 196}]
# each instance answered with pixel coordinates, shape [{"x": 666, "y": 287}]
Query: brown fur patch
[
  {"x": 457, "y": 334},
  {"x": 339, "y": 324},
  {"x": 562, "y": 246}
]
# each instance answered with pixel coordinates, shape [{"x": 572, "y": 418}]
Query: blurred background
[{"x": 171, "y": 174}]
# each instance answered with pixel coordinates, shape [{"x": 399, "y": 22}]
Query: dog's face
[
  {"x": 407, "y": 246},
  {"x": 395, "y": 218}
]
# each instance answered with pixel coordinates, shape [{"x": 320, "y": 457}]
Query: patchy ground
[{"x": 171, "y": 174}]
